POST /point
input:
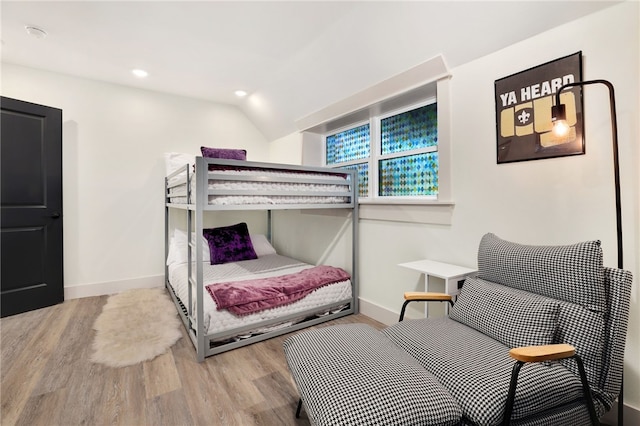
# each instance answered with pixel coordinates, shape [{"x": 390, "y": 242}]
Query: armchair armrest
[
  {"x": 421, "y": 296},
  {"x": 542, "y": 353},
  {"x": 546, "y": 353}
]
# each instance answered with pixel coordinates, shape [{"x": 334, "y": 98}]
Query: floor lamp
[{"x": 560, "y": 127}]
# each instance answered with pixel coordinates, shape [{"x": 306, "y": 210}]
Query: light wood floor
[{"x": 47, "y": 378}]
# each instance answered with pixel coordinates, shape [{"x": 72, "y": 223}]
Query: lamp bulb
[{"x": 560, "y": 128}]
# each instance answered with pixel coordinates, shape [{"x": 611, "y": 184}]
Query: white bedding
[
  {"x": 265, "y": 186},
  {"x": 266, "y": 266},
  {"x": 255, "y": 199}
]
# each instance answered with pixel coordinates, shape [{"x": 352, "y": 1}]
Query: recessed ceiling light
[
  {"x": 240, "y": 93},
  {"x": 139, "y": 73},
  {"x": 35, "y": 32}
]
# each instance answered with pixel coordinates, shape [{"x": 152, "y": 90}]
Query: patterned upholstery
[
  {"x": 476, "y": 370},
  {"x": 572, "y": 273},
  {"x": 570, "y": 415},
  {"x": 353, "y": 375},
  {"x": 618, "y": 288},
  {"x": 585, "y": 330},
  {"x": 514, "y": 317}
]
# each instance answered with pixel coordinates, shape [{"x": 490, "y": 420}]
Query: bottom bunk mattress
[{"x": 218, "y": 321}]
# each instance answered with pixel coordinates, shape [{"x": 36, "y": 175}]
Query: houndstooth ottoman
[{"x": 354, "y": 375}]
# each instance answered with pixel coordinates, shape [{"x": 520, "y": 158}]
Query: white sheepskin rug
[{"x": 135, "y": 326}]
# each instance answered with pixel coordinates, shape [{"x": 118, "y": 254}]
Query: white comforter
[
  {"x": 266, "y": 186},
  {"x": 266, "y": 266}
]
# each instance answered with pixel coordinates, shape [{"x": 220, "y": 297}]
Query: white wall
[
  {"x": 560, "y": 200},
  {"x": 553, "y": 201},
  {"x": 288, "y": 149},
  {"x": 114, "y": 138}
]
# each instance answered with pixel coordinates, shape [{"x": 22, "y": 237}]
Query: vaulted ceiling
[{"x": 292, "y": 57}]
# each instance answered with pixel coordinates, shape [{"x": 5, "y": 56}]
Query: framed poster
[{"x": 523, "y": 111}]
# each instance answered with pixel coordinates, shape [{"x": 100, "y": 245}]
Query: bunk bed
[{"x": 230, "y": 185}]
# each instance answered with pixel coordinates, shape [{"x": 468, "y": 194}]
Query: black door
[{"x": 31, "y": 204}]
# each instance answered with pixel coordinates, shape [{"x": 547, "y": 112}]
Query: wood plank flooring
[{"x": 47, "y": 378}]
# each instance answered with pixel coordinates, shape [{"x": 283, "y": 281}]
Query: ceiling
[{"x": 292, "y": 57}]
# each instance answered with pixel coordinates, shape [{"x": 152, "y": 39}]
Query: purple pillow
[
  {"x": 227, "y": 154},
  {"x": 229, "y": 244}
]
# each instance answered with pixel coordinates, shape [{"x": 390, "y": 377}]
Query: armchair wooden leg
[
  {"x": 587, "y": 392},
  {"x": 299, "y": 408},
  {"x": 404, "y": 307},
  {"x": 621, "y": 404},
  {"x": 511, "y": 396}
]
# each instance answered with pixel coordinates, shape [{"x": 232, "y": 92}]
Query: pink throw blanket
[{"x": 246, "y": 297}]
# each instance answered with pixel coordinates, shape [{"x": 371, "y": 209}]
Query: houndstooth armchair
[{"x": 537, "y": 338}]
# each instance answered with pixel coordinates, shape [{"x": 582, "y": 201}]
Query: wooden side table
[{"x": 451, "y": 274}]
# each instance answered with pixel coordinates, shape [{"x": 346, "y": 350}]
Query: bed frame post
[
  {"x": 202, "y": 171},
  {"x": 166, "y": 231},
  {"x": 354, "y": 242},
  {"x": 190, "y": 258}
]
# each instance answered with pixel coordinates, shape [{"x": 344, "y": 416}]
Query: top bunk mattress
[{"x": 229, "y": 185}]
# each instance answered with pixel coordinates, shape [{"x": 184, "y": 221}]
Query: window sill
[
  {"x": 403, "y": 201},
  {"x": 412, "y": 211}
]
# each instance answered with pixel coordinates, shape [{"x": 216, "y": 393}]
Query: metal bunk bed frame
[{"x": 195, "y": 216}]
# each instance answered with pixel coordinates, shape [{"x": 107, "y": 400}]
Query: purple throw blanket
[{"x": 246, "y": 297}]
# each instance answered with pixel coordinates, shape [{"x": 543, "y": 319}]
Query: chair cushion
[
  {"x": 353, "y": 375},
  {"x": 573, "y": 273},
  {"x": 513, "y": 317},
  {"x": 585, "y": 330},
  {"x": 476, "y": 370}
]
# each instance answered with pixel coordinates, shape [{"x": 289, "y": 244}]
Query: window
[
  {"x": 351, "y": 149},
  {"x": 395, "y": 155},
  {"x": 397, "y": 134}
]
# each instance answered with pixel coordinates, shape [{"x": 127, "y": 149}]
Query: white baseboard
[
  {"x": 112, "y": 287},
  {"x": 377, "y": 312},
  {"x": 382, "y": 314}
]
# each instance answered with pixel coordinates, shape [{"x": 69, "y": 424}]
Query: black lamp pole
[{"x": 559, "y": 113}]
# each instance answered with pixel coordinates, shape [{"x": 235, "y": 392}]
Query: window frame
[
  {"x": 420, "y": 82},
  {"x": 375, "y": 154},
  {"x": 346, "y": 127}
]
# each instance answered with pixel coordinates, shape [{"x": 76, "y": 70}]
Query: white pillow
[
  {"x": 174, "y": 160},
  {"x": 178, "y": 247},
  {"x": 261, "y": 245}
]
